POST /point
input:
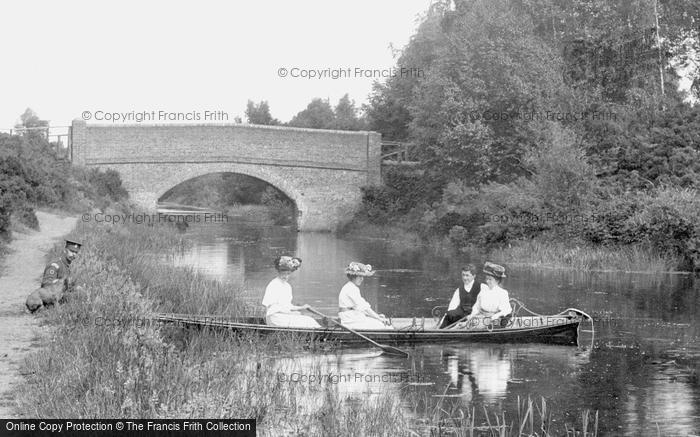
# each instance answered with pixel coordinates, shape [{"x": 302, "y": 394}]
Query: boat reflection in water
[
  {"x": 461, "y": 375},
  {"x": 484, "y": 371},
  {"x": 494, "y": 375}
]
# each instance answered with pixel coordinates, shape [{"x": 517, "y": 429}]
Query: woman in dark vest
[{"x": 463, "y": 298}]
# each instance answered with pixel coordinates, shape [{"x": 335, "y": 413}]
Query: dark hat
[
  {"x": 72, "y": 245},
  {"x": 494, "y": 270},
  {"x": 287, "y": 263}
]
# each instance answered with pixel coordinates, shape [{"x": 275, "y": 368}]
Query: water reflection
[
  {"x": 642, "y": 371},
  {"x": 484, "y": 371}
]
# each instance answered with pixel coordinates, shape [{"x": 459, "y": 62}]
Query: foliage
[
  {"x": 484, "y": 67},
  {"x": 317, "y": 115},
  {"x": 107, "y": 184},
  {"x": 346, "y": 117},
  {"x": 31, "y": 175},
  {"x": 545, "y": 120},
  {"x": 554, "y": 199},
  {"x": 260, "y": 113},
  {"x": 665, "y": 219},
  {"x": 402, "y": 191},
  {"x": 667, "y": 151},
  {"x": 320, "y": 115},
  {"x": 31, "y": 126}
]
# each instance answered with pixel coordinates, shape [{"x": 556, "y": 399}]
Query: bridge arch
[
  {"x": 322, "y": 171},
  {"x": 273, "y": 180}
]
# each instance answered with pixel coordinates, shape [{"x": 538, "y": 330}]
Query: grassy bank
[
  {"x": 103, "y": 357},
  {"x": 558, "y": 255},
  {"x": 106, "y": 359},
  {"x": 536, "y": 253}
]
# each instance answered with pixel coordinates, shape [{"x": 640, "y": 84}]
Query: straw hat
[
  {"x": 286, "y": 263},
  {"x": 359, "y": 269}
]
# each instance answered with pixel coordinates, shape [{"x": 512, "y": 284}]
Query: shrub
[
  {"x": 107, "y": 184},
  {"x": 665, "y": 219},
  {"x": 27, "y": 217},
  {"x": 403, "y": 191},
  {"x": 610, "y": 221},
  {"x": 669, "y": 222}
]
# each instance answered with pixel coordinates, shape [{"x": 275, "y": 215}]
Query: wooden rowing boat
[{"x": 556, "y": 329}]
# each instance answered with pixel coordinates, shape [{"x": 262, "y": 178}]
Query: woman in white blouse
[
  {"x": 278, "y": 298},
  {"x": 492, "y": 304},
  {"x": 354, "y": 311}
]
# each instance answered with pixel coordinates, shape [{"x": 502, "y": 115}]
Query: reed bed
[
  {"x": 549, "y": 254},
  {"x": 103, "y": 356},
  {"x": 538, "y": 253}
]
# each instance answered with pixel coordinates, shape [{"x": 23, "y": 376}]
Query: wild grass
[
  {"x": 550, "y": 254},
  {"x": 105, "y": 357},
  {"x": 532, "y": 419},
  {"x": 538, "y": 253}
]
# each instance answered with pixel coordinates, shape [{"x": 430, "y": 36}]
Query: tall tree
[
  {"x": 317, "y": 115},
  {"x": 32, "y": 126},
  {"x": 346, "y": 117},
  {"x": 474, "y": 112},
  {"x": 260, "y": 113}
]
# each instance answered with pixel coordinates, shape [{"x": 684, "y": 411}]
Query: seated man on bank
[
  {"x": 492, "y": 306},
  {"x": 463, "y": 298},
  {"x": 56, "y": 280}
]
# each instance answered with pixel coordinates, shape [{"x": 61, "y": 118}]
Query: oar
[
  {"x": 387, "y": 349},
  {"x": 463, "y": 319}
]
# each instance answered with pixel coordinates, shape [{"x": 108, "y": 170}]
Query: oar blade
[{"x": 387, "y": 349}]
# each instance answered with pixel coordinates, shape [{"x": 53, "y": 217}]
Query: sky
[{"x": 90, "y": 59}]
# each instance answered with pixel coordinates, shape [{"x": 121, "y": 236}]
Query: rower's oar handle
[{"x": 385, "y": 348}]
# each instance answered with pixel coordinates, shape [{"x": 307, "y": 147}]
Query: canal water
[{"x": 641, "y": 373}]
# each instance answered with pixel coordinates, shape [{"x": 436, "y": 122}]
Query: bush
[
  {"x": 107, "y": 184},
  {"x": 669, "y": 222},
  {"x": 666, "y": 220},
  {"x": 554, "y": 199},
  {"x": 32, "y": 176},
  {"x": 403, "y": 191},
  {"x": 379, "y": 204},
  {"x": 27, "y": 217},
  {"x": 610, "y": 221}
]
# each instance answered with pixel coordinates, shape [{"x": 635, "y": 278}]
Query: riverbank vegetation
[
  {"x": 548, "y": 126},
  {"x": 107, "y": 358},
  {"x": 32, "y": 174}
]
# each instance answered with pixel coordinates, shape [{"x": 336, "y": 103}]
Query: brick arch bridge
[{"x": 320, "y": 170}]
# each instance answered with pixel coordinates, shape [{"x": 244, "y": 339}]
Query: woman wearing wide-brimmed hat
[
  {"x": 492, "y": 304},
  {"x": 278, "y": 298},
  {"x": 354, "y": 311}
]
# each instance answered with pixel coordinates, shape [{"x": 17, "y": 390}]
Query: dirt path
[{"x": 21, "y": 273}]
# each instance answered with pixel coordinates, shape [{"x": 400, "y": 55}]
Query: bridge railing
[{"x": 398, "y": 153}]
